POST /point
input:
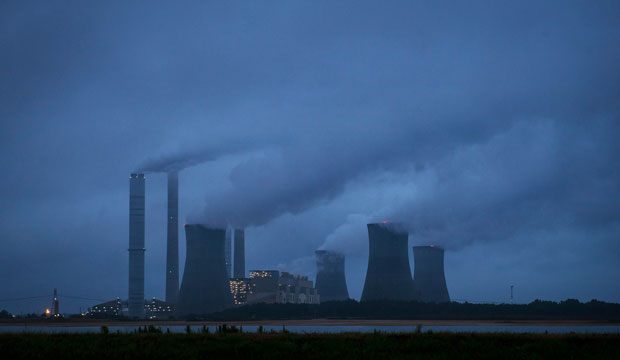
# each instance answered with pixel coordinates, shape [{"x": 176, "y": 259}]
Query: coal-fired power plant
[
  {"x": 429, "y": 280},
  {"x": 330, "y": 281},
  {"x": 205, "y": 287},
  {"x": 136, "y": 245},
  {"x": 388, "y": 276},
  {"x": 172, "y": 243},
  {"x": 239, "y": 263}
]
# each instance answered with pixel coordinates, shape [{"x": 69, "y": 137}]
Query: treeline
[{"x": 537, "y": 310}]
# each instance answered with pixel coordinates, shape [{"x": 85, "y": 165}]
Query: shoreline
[{"x": 311, "y": 322}]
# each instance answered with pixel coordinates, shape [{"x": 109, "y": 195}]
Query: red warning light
[
  {"x": 432, "y": 245},
  {"x": 184, "y": 225},
  {"x": 385, "y": 221}
]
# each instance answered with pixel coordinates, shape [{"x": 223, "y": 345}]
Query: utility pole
[
  {"x": 511, "y": 294},
  {"x": 56, "y": 312}
]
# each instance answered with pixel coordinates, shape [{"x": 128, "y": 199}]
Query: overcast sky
[{"x": 489, "y": 128}]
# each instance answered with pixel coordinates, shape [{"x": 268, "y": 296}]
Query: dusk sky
[{"x": 489, "y": 128}]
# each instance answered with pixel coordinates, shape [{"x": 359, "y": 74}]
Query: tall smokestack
[
  {"x": 228, "y": 251},
  {"x": 330, "y": 281},
  {"x": 388, "y": 276},
  {"x": 136, "y": 245},
  {"x": 172, "y": 245},
  {"x": 205, "y": 287},
  {"x": 239, "y": 264},
  {"x": 429, "y": 280}
]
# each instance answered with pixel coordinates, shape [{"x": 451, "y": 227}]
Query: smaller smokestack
[
  {"x": 172, "y": 244},
  {"x": 239, "y": 265},
  {"x": 330, "y": 280},
  {"x": 429, "y": 280},
  {"x": 228, "y": 251}
]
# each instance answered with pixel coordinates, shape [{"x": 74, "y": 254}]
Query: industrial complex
[{"x": 214, "y": 276}]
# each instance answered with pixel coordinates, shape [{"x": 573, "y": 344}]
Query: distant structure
[
  {"x": 330, "y": 280},
  {"x": 228, "y": 251},
  {"x": 205, "y": 287},
  {"x": 388, "y": 276},
  {"x": 239, "y": 288},
  {"x": 239, "y": 264},
  {"x": 56, "y": 305},
  {"x": 136, "y": 245},
  {"x": 429, "y": 280},
  {"x": 172, "y": 245}
]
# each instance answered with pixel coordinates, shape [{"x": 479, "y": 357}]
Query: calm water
[{"x": 338, "y": 329}]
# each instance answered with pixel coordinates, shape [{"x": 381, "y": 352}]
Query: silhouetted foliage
[
  {"x": 271, "y": 346},
  {"x": 537, "y": 310}
]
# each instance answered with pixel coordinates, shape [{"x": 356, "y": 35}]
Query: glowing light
[
  {"x": 385, "y": 221},
  {"x": 47, "y": 311},
  {"x": 432, "y": 245}
]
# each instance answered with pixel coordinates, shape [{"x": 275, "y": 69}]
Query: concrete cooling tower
[
  {"x": 205, "y": 287},
  {"x": 429, "y": 282},
  {"x": 330, "y": 281},
  {"x": 388, "y": 276}
]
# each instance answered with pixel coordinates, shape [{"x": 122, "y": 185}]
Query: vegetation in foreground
[{"x": 232, "y": 343}]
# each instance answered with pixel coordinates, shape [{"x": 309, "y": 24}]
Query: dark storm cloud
[{"x": 483, "y": 123}]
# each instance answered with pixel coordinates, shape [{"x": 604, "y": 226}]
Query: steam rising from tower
[
  {"x": 136, "y": 245},
  {"x": 205, "y": 287},
  {"x": 330, "y": 280},
  {"x": 388, "y": 276},
  {"x": 172, "y": 245},
  {"x": 429, "y": 281}
]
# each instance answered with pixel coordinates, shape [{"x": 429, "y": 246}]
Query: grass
[{"x": 153, "y": 344}]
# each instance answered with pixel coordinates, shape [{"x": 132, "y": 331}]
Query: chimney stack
[
  {"x": 172, "y": 244},
  {"x": 136, "y": 245}
]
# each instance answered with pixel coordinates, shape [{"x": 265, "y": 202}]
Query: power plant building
[
  {"x": 136, "y": 245},
  {"x": 239, "y": 264},
  {"x": 273, "y": 287},
  {"x": 263, "y": 286},
  {"x": 388, "y": 276},
  {"x": 172, "y": 243},
  {"x": 429, "y": 280},
  {"x": 205, "y": 287},
  {"x": 330, "y": 280},
  {"x": 296, "y": 290},
  {"x": 239, "y": 288}
]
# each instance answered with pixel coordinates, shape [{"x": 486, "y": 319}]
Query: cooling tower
[
  {"x": 330, "y": 281},
  {"x": 388, "y": 276},
  {"x": 172, "y": 245},
  {"x": 136, "y": 245},
  {"x": 228, "y": 252},
  {"x": 429, "y": 280},
  {"x": 205, "y": 287},
  {"x": 239, "y": 264}
]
